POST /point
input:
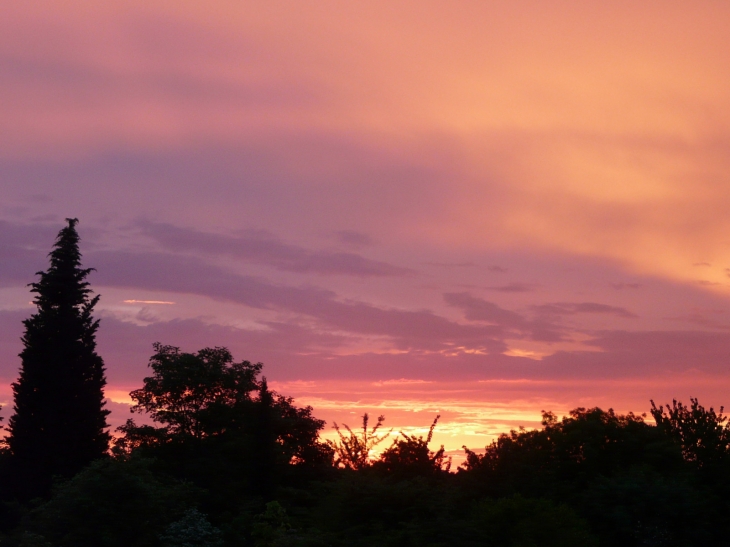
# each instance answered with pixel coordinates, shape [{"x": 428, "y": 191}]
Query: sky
[{"x": 478, "y": 210}]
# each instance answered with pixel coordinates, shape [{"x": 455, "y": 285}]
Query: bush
[{"x": 111, "y": 504}]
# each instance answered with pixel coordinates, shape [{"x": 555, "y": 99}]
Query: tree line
[{"x": 229, "y": 462}]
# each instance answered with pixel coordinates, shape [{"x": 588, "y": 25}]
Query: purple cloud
[
  {"x": 620, "y": 286},
  {"x": 353, "y": 238},
  {"x": 477, "y": 309},
  {"x": 515, "y": 287},
  {"x": 23, "y": 249},
  {"x": 263, "y": 248},
  {"x": 34, "y": 236},
  {"x": 410, "y": 329},
  {"x": 175, "y": 273},
  {"x": 625, "y": 354},
  {"x": 573, "y": 308},
  {"x": 452, "y": 264}
]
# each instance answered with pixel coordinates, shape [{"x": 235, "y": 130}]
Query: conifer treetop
[{"x": 65, "y": 272}]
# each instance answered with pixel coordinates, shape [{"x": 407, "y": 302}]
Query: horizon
[{"x": 405, "y": 209}]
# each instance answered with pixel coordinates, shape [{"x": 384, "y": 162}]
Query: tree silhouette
[
  {"x": 352, "y": 451},
  {"x": 219, "y": 425},
  {"x": 59, "y": 425},
  {"x": 195, "y": 394},
  {"x": 704, "y": 435},
  {"x": 410, "y": 456}
]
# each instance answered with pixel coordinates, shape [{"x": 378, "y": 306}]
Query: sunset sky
[{"x": 473, "y": 209}]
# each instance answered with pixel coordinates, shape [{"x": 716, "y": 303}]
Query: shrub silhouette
[
  {"x": 410, "y": 456},
  {"x": 352, "y": 451}
]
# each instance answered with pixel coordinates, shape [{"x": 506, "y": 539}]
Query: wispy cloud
[
  {"x": 574, "y": 308},
  {"x": 515, "y": 287},
  {"x": 148, "y": 302},
  {"x": 264, "y": 248},
  {"x": 508, "y": 322},
  {"x": 419, "y": 329},
  {"x": 623, "y": 285},
  {"x": 353, "y": 238},
  {"x": 468, "y": 264}
]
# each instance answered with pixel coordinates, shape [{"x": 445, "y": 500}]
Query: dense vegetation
[
  {"x": 228, "y": 462},
  {"x": 231, "y": 463}
]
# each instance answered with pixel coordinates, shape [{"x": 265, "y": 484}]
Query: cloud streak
[
  {"x": 478, "y": 309},
  {"x": 575, "y": 308},
  {"x": 420, "y": 330},
  {"x": 264, "y": 248}
]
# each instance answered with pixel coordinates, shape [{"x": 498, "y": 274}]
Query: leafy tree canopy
[
  {"x": 192, "y": 394},
  {"x": 206, "y": 396},
  {"x": 703, "y": 434}
]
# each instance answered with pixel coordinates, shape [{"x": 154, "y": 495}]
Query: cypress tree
[{"x": 59, "y": 425}]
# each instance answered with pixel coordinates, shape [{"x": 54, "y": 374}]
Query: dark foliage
[
  {"x": 573, "y": 451},
  {"x": 59, "y": 425},
  {"x": 192, "y": 530},
  {"x": 517, "y": 521},
  {"x": 220, "y": 426},
  {"x": 196, "y": 394},
  {"x": 353, "y": 451},
  {"x": 612, "y": 469},
  {"x": 410, "y": 456},
  {"x": 703, "y": 434},
  {"x": 112, "y": 504},
  {"x": 371, "y": 509}
]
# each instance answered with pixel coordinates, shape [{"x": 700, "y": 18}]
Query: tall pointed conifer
[{"x": 59, "y": 425}]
